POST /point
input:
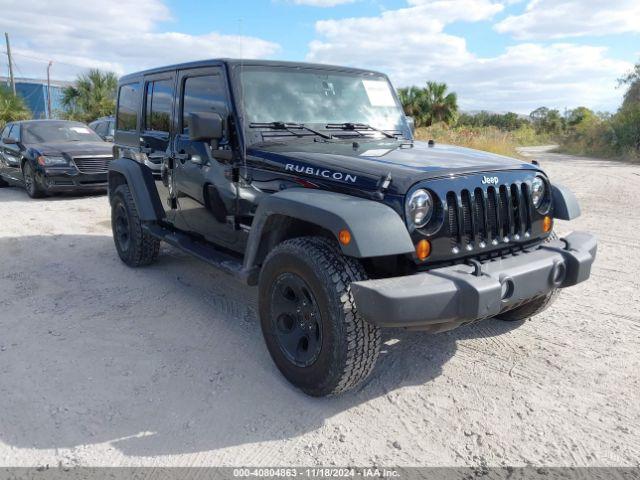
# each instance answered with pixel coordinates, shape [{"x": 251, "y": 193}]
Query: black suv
[
  {"x": 47, "y": 156},
  {"x": 105, "y": 127},
  {"x": 305, "y": 180}
]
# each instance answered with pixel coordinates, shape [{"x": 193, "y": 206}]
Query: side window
[
  {"x": 204, "y": 94},
  {"x": 100, "y": 128},
  {"x": 14, "y": 132},
  {"x": 111, "y": 128},
  {"x": 159, "y": 96},
  {"x": 5, "y": 131},
  {"x": 128, "y": 103}
]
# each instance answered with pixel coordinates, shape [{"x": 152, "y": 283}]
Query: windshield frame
[
  {"x": 255, "y": 135},
  {"x": 26, "y": 134}
]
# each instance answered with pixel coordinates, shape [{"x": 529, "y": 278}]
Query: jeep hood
[{"x": 371, "y": 159}]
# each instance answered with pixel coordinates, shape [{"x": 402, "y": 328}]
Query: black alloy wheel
[
  {"x": 296, "y": 318},
  {"x": 122, "y": 227}
]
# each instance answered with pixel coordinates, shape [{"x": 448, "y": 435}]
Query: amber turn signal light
[
  {"x": 344, "y": 236},
  {"x": 547, "y": 224},
  {"x": 423, "y": 249}
]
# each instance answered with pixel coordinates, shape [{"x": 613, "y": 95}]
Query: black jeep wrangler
[{"x": 305, "y": 180}]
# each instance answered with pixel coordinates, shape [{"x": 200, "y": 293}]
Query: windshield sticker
[
  {"x": 376, "y": 152},
  {"x": 81, "y": 129},
  {"x": 379, "y": 93}
]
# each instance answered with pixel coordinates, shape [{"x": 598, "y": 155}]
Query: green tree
[
  {"x": 580, "y": 115},
  {"x": 430, "y": 105},
  {"x": 509, "y": 121},
  {"x": 546, "y": 120},
  {"x": 632, "y": 79},
  {"x": 92, "y": 96},
  {"x": 12, "y": 107}
]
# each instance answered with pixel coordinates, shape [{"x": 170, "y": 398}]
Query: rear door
[{"x": 204, "y": 186}]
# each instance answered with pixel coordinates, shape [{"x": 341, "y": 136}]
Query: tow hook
[{"x": 477, "y": 267}]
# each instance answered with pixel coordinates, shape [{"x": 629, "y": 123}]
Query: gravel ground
[{"x": 104, "y": 365}]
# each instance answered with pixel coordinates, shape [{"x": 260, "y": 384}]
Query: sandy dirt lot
[{"x": 104, "y": 365}]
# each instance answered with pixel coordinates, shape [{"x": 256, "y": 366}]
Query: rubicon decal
[{"x": 321, "y": 172}]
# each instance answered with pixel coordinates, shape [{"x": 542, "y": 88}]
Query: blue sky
[{"x": 497, "y": 55}]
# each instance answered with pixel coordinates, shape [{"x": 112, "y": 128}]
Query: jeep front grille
[
  {"x": 488, "y": 216},
  {"x": 92, "y": 164}
]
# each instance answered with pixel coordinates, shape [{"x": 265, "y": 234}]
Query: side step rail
[{"x": 203, "y": 251}]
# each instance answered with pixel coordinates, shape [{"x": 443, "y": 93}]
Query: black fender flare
[
  {"x": 142, "y": 186},
  {"x": 565, "y": 203},
  {"x": 376, "y": 229}
]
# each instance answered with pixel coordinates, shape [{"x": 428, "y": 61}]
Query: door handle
[{"x": 182, "y": 156}]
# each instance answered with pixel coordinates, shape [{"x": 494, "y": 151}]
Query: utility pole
[
  {"x": 13, "y": 83},
  {"x": 49, "y": 89}
]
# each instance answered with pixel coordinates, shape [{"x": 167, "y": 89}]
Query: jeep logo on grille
[{"x": 490, "y": 180}]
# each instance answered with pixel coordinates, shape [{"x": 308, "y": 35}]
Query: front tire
[
  {"x": 309, "y": 320},
  {"x": 31, "y": 184},
  {"x": 135, "y": 247}
]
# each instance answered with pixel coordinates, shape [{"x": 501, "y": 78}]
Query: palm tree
[
  {"x": 12, "y": 107},
  {"x": 410, "y": 98},
  {"x": 92, "y": 96},
  {"x": 429, "y": 105},
  {"x": 440, "y": 105}
]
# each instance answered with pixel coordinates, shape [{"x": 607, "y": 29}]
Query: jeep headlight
[
  {"x": 419, "y": 208},
  {"x": 538, "y": 191}
]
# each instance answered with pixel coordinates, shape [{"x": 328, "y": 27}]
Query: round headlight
[
  {"x": 538, "y": 191},
  {"x": 419, "y": 208}
]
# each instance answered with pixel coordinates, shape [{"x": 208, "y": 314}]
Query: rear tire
[
  {"x": 309, "y": 320},
  {"x": 535, "y": 306},
  {"x": 135, "y": 247},
  {"x": 3, "y": 182},
  {"x": 31, "y": 184}
]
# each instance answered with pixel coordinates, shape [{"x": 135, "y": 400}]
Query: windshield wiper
[
  {"x": 289, "y": 127},
  {"x": 356, "y": 127}
]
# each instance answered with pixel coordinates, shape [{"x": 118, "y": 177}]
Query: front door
[
  {"x": 204, "y": 185},
  {"x": 155, "y": 133}
]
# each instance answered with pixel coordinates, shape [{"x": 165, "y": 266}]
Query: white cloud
[
  {"x": 322, "y": 3},
  {"x": 121, "y": 36},
  {"x": 411, "y": 45},
  {"x": 552, "y": 19}
]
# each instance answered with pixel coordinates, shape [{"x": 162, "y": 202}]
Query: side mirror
[
  {"x": 205, "y": 127},
  {"x": 9, "y": 141},
  {"x": 108, "y": 138},
  {"x": 412, "y": 124}
]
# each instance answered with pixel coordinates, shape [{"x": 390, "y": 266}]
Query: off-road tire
[
  {"x": 31, "y": 184},
  {"x": 349, "y": 345},
  {"x": 535, "y": 306},
  {"x": 140, "y": 248}
]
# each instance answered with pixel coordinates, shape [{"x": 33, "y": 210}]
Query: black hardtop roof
[{"x": 237, "y": 61}]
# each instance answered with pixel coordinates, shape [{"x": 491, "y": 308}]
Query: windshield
[
  {"x": 320, "y": 97},
  {"x": 58, "y": 132}
]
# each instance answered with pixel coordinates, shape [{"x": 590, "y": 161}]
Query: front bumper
[
  {"x": 71, "y": 180},
  {"x": 463, "y": 293}
]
